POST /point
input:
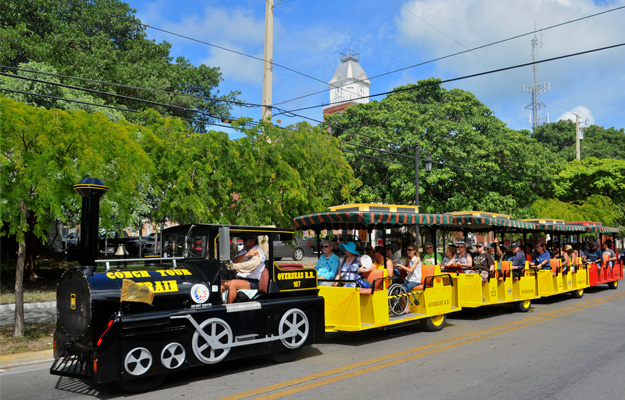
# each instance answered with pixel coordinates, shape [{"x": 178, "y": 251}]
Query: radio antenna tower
[{"x": 536, "y": 105}]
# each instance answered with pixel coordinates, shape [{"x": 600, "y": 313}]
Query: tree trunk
[{"x": 19, "y": 279}]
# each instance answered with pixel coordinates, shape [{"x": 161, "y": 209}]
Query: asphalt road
[{"x": 563, "y": 348}]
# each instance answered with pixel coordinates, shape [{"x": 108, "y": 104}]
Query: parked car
[
  {"x": 151, "y": 244},
  {"x": 69, "y": 240},
  {"x": 291, "y": 246}
]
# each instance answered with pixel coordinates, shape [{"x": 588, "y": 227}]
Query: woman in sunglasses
[
  {"x": 412, "y": 267},
  {"x": 328, "y": 265}
]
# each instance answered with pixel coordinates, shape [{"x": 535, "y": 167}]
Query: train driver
[{"x": 249, "y": 264}]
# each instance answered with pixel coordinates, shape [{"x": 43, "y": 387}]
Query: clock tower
[{"x": 349, "y": 84}]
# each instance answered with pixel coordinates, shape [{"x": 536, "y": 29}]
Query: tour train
[{"x": 133, "y": 325}]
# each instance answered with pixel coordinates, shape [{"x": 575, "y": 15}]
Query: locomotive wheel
[
  {"x": 298, "y": 254},
  {"x": 138, "y": 361},
  {"x": 217, "y": 332},
  {"x": 613, "y": 285},
  {"x": 435, "y": 323},
  {"x": 522, "y": 306},
  {"x": 173, "y": 355},
  {"x": 144, "y": 384},
  {"x": 577, "y": 294},
  {"x": 398, "y": 305},
  {"x": 294, "y": 322}
]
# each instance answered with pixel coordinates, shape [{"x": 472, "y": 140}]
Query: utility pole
[
  {"x": 268, "y": 64},
  {"x": 577, "y": 136}
]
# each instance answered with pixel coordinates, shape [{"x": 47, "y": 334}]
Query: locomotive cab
[{"x": 133, "y": 321}]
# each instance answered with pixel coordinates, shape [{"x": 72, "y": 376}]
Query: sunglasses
[
  {"x": 461, "y": 247},
  {"x": 428, "y": 247},
  {"x": 325, "y": 247},
  {"x": 410, "y": 249}
]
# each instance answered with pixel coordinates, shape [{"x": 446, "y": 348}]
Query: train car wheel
[
  {"x": 613, "y": 285},
  {"x": 294, "y": 324},
  {"x": 142, "y": 384},
  {"x": 577, "y": 294},
  {"x": 215, "y": 331},
  {"x": 434, "y": 324},
  {"x": 522, "y": 306},
  {"x": 398, "y": 305}
]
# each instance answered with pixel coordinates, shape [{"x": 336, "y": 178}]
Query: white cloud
[
  {"x": 585, "y": 116},
  {"x": 435, "y": 28}
]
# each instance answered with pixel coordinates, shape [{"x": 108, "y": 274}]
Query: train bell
[{"x": 121, "y": 251}]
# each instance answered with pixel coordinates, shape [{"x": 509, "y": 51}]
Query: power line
[
  {"x": 473, "y": 75},
  {"x": 102, "y": 105},
  {"x": 466, "y": 51},
  {"x": 235, "y": 102},
  {"x": 237, "y": 52},
  {"x": 79, "y": 88}
]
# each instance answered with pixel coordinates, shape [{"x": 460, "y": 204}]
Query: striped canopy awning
[
  {"x": 352, "y": 219},
  {"x": 601, "y": 229},
  {"x": 491, "y": 223},
  {"x": 561, "y": 228},
  {"x": 364, "y": 220}
]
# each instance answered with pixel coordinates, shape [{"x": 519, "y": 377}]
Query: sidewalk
[{"x": 33, "y": 312}]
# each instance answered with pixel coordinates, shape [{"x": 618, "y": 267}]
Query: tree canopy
[
  {"x": 479, "y": 163},
  {"x": 102, "y": 40}
]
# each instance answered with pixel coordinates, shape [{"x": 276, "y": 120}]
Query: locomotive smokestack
[{"x": 91, "y": 189}]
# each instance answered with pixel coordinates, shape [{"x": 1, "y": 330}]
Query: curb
[
  {"x": 29, "y": 306},
  {"x": 14, "y": 360}
]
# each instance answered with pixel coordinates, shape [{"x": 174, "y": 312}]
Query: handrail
[{"x": 124, "y": 260}]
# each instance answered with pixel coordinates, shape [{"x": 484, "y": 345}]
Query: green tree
[
  {"x": 596, "y": 208},
  {"x": 82, "y": 101},
  {"x": 579, "y": 180},
  {"x": 479, "y": 163},
  {"x": 265, "y": 177},
  {"x": 45, "y": 152},
  {"x": 103, "y": 40},
  {"x": 559, "y": 137}
]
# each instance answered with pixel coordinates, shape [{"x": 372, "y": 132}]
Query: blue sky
[{"x": 310, "y": 35}]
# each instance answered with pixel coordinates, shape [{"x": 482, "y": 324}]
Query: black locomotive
[{"x": 133, "y": 321}]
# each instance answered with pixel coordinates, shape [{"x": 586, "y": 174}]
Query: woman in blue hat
[{"x": 349, "y": 270}]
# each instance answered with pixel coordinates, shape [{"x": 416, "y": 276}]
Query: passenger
[
  {"x": 369, "y": 251},
  {"x": 378, "y": 260},
  {"x": 412, "y": 267},
  {"x": 518, "y": 261},
  {"x": 463, "y": 258},
  {"x": 569, "y": 259},
  {"x": 607, "y": 251},
  {"x": 557, "y": 252},
  {"x": 594, "y": 255},
  {"x": 541, "y": 259},
  {"x": 529, "y": 252},
  {"x": 328, "y": 264},
  {"x": 350, "y": 267},
  {"x": 431, "y": 258},
  {"x": 490, "y": 249},
  {"x": 392, "y": 254},
  {"x": 579, "y": 253},
  {"x": 249, "y": 264},
  {"x": 450, "y": 255},
  {"x": 483, "y": 262}
]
